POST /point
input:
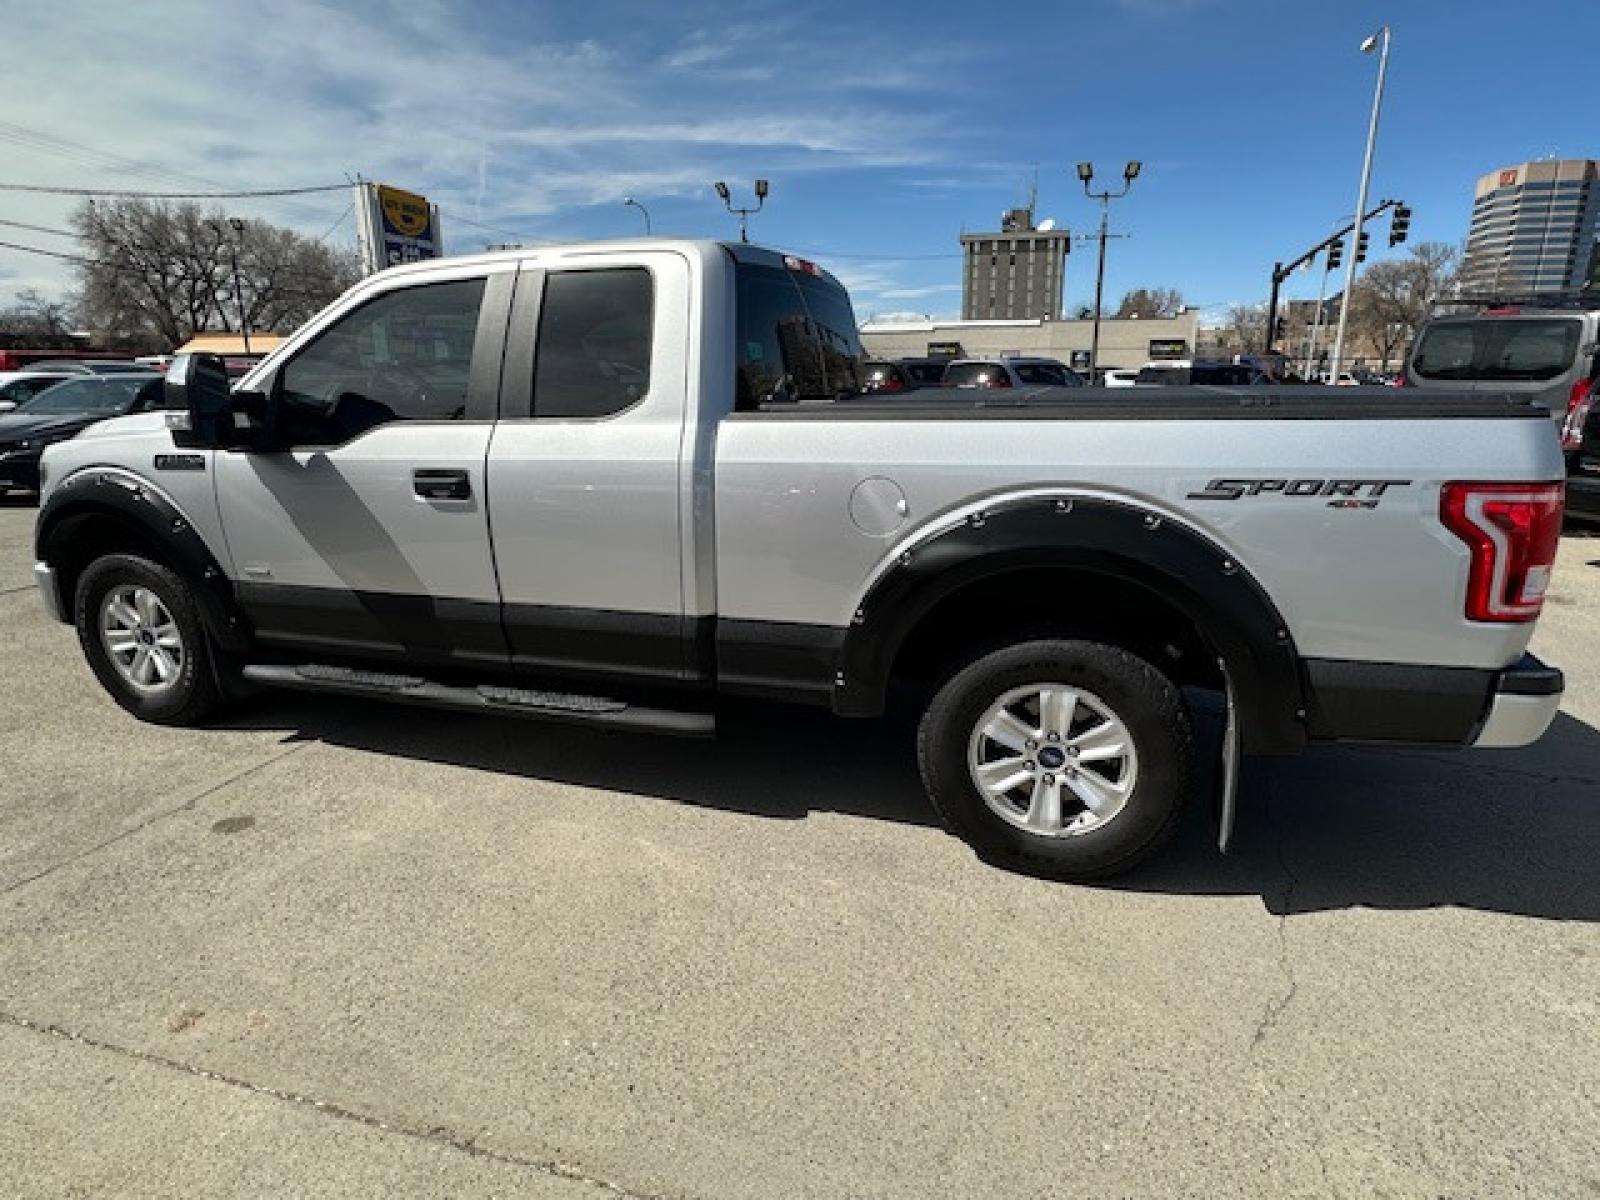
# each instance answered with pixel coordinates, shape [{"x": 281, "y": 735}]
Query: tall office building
[
  {"x": 1534, "y": 228},
  {"x": 1017, "y": 274}
]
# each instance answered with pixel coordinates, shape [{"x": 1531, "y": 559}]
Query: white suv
[{"x": 1004, "y": 371}]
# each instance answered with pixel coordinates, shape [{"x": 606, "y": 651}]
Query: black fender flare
[
  {"x": 1135, "y": 544},
  {"x": 101, "y": 492}
]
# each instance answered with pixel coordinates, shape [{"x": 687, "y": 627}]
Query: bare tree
[
  {"x": 34, "y": 318},
  {"x": 1147, "y": 303},
  {"x": 1392, "y": 298},
  {"x": 1243, "y": 329},
  {"x": 165, "y": 271}
]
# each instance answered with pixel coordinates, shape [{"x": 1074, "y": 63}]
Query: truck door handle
[{"x": 441, "y": 485}]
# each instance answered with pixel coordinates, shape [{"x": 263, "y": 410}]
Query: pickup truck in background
[{"x": 614, "y": 484}]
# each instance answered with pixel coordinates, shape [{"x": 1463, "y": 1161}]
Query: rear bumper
[
  {"x": 1525, "y": 701},
  {"x": 1395, "y": 703}
]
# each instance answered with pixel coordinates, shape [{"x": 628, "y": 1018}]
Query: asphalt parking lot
[{"x": 330, "y": 948}]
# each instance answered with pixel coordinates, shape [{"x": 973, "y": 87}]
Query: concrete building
[
  {"x": 1534, "y": 228},
  {"x": 1019, "y": 273},
  {"x": 1127, "y": 342}
]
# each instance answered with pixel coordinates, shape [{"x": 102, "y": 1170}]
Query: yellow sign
[{"x": 404, "y": 212}]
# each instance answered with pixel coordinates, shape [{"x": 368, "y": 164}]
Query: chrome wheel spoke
[
  {"x": 1003, "y": 774},
  {"x": 140, "y": 668},
  {"x": 144, "y": 600},
  {"x": 1099, "y": 795},
  {"x": 1044, "y": 805},
  {"x": 122, "y": 612},
  {"x": 162, "y": 664},
  {"x": 168, "y": 638},
  {"x": 1009, "y": 731},
  {"x": 121, "y": 641},
  {"x": 1106, "y": 741},
  {"x": 1056, "y": 707}
]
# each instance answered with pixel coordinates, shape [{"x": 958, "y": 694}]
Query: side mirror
[{"x": 197, "y": 386}]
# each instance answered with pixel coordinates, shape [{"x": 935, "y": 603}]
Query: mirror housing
[{"x": 197, "y": 386}]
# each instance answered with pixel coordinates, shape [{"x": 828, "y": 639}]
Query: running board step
[{"x": 533, "y": 703}]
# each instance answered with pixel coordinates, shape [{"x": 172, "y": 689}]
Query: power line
[
  {"x": 42, "y": 189},
  {"x": 348, "y": 209},
  {"x": 39, "y": 229}
]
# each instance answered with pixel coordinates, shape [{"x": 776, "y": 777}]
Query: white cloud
[{"x": 516, "y": 133}]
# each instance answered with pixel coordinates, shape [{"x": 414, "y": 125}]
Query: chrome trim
[
  {"x": 1517, "y": 720},
  {"x": 44, "y": 578}
]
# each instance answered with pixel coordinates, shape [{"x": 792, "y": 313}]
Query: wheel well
[
  {"x": 1056, "y": 601},
  {"x": 77, "y": 539}
]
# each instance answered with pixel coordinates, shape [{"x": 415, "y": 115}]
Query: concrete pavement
[{"x": 333, "y": 948}]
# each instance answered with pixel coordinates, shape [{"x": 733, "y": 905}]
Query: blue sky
[{"x": 884, "y": 128}]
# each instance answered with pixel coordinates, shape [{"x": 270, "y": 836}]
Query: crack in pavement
[
  {"x": 27, "y": 587},
  {"x": 438, "y": 1135},
  {"x": 1480, "y": 767},
  {"x": 1273, "y": 1012},
  {"x": 186, "y": 806}
]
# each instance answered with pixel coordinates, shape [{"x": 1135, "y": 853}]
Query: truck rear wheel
[
  {"x": 1072, "y": 759},
  {"x": 144, "y": 639}
]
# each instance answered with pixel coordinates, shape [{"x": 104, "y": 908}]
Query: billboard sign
[{"x": 396, "y": 226}]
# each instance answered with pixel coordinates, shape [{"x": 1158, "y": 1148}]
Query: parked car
[
  {"x": 661, "y": 504},
  {"x": 1007, "y": 371},
  {"x": 62, "y": 411},
  {"x": 924, "y": 372},
  {"x": 1200, "y": 373},
  {"x": 1548, "y": 355},
  {"x": 100, "y": 366},
  {"x": 889, "y": 377},
  {"x": 1580, "y": 441},
  {"x": 18, "y": 387}
]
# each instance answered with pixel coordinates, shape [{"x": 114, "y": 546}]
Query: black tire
[
  {"x": 1146, "y": 702},
  {"x": 193, "y": 695}
]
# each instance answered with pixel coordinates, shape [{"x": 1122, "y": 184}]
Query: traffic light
[
  {"x": 1400, "y": 225},
  {"x": 1361, "y": 247},
  {"x": 1335, "y": 255}
]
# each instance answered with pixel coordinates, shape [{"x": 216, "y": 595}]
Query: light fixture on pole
[
  {"x": 1372, "y": 42},
  {"x": 630, "y": 202},
  {"x": 742, "y": 213},
  {"x": 1085, "y": 177}
]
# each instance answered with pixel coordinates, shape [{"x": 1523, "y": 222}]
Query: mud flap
[{"x": 1228, "y": 768}]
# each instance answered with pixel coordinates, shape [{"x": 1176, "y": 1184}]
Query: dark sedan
[
  {"x": 1580, "y": 438},
  {"x": 59, "y": 412}
]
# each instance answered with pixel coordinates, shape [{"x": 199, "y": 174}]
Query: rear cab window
[
  {"x": 1498, "y": 349},
  {"x": 797, "y": 337}
]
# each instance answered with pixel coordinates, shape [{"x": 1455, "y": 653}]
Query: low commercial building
[{"x": 1124, "y": 342}]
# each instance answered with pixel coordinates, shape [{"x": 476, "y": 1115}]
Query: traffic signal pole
[{"x": 1282, "y": 271}]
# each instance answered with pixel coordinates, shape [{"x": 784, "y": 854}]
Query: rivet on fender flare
[
  {"x": 1283, "y": 635},
  {"x": 1152, "y": 521},
  {"x": 1229, "y": 566},
  {"x": 1063, "y": 506},
  {"x": 838, "y": 679}
]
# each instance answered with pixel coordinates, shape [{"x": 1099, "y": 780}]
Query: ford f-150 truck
[{"x": 617, "y": 483}]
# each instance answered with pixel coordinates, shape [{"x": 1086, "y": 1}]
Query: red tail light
[
  {"x": 1512, "y": 531},
  {"x": 1579, "y": 401},
  {"x": 891, "y": 384},
  {"x": 1400, "y": 380}
]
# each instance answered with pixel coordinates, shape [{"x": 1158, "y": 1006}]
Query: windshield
[
  {"x": 1498, "y": 349},
  {"x": 107, "y": 395}
]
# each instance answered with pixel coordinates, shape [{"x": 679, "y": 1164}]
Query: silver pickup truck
[{"x": 618, "y": 483}]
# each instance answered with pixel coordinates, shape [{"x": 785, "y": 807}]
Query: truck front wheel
[
  {"x": 142, "y": 634},
  {"x": 1071, "y": 759}
]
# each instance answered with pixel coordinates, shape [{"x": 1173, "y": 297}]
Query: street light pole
[
  {"x": 238, "y": 292},
  {"x": 1085, "y": 175},
  {"x": 743, "y": 214},
  {"x": 643, "y": 211},
  {"x": 1381, "y": 37}
]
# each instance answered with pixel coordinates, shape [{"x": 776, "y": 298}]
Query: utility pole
[
  {"x": 1382, "y": 36},
  {"x": 1085, "y": 175},
  {"x": 237, "y": 225}
]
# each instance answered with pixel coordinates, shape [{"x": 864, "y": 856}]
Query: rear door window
[
  {"x": 971, "y": 374},
  {"x": 593, "y": 353},
  {"x": 1498, "y": 349}
]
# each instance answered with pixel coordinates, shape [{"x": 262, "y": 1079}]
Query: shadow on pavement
[{"x": 1505, "y": 831}]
